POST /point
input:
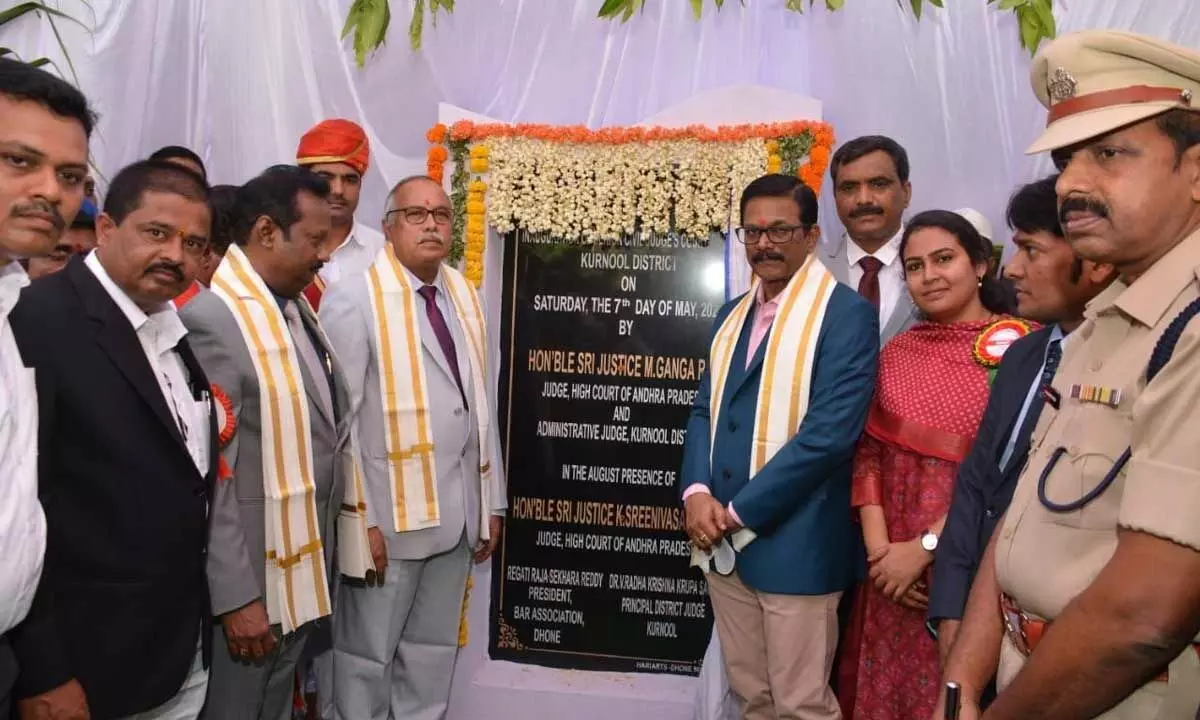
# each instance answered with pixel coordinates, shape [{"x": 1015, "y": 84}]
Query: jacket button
[
  {"x": 990, "y": 512},
  {"x": 733, "y": 426},
  {"x": 726, "y": 474}
]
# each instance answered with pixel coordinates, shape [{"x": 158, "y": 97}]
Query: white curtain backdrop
[{"x": 240, "y": 81}]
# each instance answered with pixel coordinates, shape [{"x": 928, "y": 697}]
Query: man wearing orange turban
[{"x": 338, "y": 150}]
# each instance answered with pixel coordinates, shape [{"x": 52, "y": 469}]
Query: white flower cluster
[{"x": 593, "y": 192}]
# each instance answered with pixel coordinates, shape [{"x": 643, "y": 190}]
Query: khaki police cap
[{"x": 1096, "y": 81}]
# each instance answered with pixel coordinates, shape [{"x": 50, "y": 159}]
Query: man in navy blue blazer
[
  {"x": 767, "y": 460},
  {"x": 1053, "y": 287}
]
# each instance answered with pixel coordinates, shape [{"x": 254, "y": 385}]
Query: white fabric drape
[{"x": 240, "y": 81}]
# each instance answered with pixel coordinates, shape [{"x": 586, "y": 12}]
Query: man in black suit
[
  {"x": 43, "y": 167},
  {"x": 1053, "y": 287},
  {"x": 127, "y": 459}
]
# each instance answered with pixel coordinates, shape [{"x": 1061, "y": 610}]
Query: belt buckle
[{"x": 1014, "y": 624}]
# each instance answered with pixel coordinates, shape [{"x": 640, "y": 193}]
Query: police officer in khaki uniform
[{"x": 1088, "y": 599}]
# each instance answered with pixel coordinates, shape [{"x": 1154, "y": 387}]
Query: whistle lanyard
[{"x": 1163, "y": 350}]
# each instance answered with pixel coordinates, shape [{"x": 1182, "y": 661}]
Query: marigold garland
[
  {"x": 463, "y": 633},
  {"x": 436, "y": 134},
  {"x": 580, "y": 183},
  {"x": 476, "y": 221}
]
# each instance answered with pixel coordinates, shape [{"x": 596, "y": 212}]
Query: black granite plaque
[{"x": 603, "y": 348}]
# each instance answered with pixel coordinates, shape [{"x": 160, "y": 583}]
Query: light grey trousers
[
  {"x": 262, "y": 691},
  {"x": 394, "y": 646}
]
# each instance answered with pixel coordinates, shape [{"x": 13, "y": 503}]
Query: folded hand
[{"x": 897, "y": 566}]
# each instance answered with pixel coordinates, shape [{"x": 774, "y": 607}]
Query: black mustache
[
  {"x": 41, "y": 208},
  {"x": 1077, "y": 203},
  {"x": 765, "y": 255},
  {"x": 866, "y": 210},
  {"x": 168, "y": 267}
]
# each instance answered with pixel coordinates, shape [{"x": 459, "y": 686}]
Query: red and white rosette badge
[
  {"x": 991, "y": 344},
  {"x": 226, "y": 427}
]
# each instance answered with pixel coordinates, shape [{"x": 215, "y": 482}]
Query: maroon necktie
[
  {"x": 868, "y": 286},
  {"x": 442, "y": 331}
]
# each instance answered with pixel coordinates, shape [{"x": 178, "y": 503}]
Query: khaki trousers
[{"x": 778, "y": 649}]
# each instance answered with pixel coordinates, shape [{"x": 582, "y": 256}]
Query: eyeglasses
[
  {"x": 418, "y": 215},
  {"x": 777, "y": 234}
]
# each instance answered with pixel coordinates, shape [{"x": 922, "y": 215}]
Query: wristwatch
[{"x": 929, "y": 541}]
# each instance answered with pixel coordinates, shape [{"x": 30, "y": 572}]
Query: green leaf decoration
[
  {"x": 352, "y": 18},
  {"x": 1031, "y": 28},
  {"x": 1045, "y": 16},
  {"x": 460, "y": 158},
  {"x": 611, "y": 8},
  {"x": 415, "y": 26},
  {"x": 34, "y": 6},
  {"x": 369, "y": 19}
]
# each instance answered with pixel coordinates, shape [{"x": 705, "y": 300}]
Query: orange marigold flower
[
  {"x": 437, "y": 154},
  {"x": 436, "y": 134},
  {"x": 462, "y": 130}
]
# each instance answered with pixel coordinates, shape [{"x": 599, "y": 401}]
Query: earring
[{"x": 980, "y": 282}]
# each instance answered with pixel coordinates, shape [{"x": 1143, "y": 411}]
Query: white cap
[{"x": 976, "y": 218}]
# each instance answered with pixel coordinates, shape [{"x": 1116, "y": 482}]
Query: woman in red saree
[{"x": 932, "y": 388}]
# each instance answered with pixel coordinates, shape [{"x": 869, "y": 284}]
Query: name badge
[{"x": 1096, "y": 394}]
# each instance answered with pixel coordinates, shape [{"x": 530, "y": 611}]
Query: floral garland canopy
[{"x": 582, "y": 185}]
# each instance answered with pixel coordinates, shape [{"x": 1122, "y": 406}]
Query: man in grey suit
[
  {"x": 395, "y": 646},
  {"x": 281, "y": 230},
  {"x": 871, "y": 190}
]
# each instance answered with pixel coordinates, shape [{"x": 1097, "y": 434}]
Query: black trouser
[{"x": 8, "y": 677}]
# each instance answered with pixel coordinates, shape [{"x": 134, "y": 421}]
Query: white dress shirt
[
  {"x": 159, "y": 333},
  {"x": 891, "y": 275},
  {"x": 22, "y": 523},
  {"x": 354, "y": 255}
]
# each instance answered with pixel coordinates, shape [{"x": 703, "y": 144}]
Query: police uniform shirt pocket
[{"x": 1092, "y": 446}]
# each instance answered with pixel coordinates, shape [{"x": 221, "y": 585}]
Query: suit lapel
[
  {"x": 341, "y": 389},
  {"x": 739, "y": 371},
  {"x": 310, "y": 387},
  {"x": 837, "y": 261},
  {"x": 902, "y": 315},
  {"x": 118, "y": 339}
]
